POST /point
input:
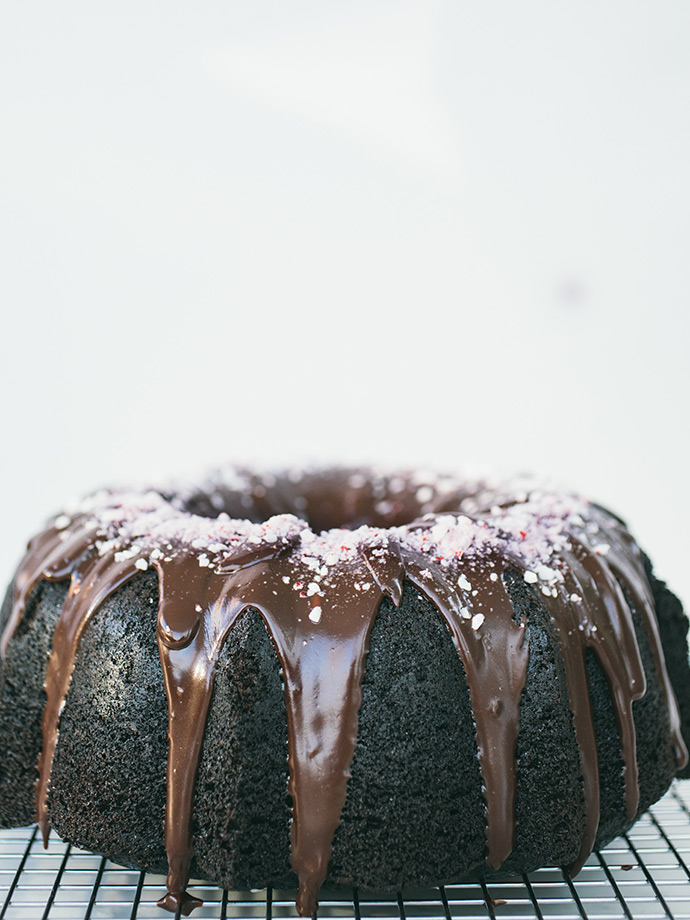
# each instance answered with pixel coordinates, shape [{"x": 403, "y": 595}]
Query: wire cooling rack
[{"x": 644, "y": 874}]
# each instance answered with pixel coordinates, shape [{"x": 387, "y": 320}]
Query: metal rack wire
[{"x": 645, "y": 873}]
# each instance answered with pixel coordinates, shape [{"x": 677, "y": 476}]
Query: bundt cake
[{"x": 338, "y": 676}]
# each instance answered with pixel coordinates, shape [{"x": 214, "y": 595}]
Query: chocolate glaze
[{"x": 319, "y": 601}]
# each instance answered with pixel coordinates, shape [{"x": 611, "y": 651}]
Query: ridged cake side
[{"x": 414, "y": 813}]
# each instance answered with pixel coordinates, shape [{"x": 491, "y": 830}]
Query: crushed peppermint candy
[{"x": 531, "y": 527}]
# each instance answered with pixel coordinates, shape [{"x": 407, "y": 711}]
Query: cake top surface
[{"x": 529, "y": 521}]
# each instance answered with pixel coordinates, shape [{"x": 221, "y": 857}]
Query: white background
[{"x": 435, "y": 233}]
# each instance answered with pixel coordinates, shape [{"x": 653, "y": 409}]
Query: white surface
[{"x": 426, "y": 233}]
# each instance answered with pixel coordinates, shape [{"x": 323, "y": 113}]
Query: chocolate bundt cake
[{"x": 338, "y": 676}]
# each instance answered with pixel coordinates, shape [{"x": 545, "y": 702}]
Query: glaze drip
[
  {"x": 318, "y": 594},
  {"x": 494, "y": 653}
]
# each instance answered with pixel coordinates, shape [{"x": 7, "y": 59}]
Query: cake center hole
[{"x": 326, "y": 501}]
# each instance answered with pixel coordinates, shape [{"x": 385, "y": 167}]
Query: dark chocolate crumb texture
[{"x": 350, "y": 676}]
